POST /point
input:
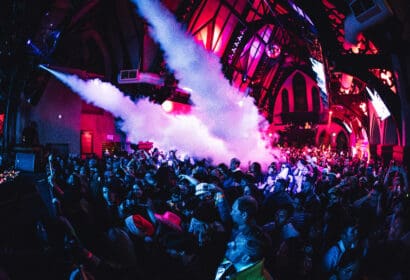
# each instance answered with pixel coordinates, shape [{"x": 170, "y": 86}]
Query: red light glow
[{"x": 177, "y": 108}]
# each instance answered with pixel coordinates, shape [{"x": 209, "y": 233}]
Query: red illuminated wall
[
  {"x": 60, "y": 120},
  {"x": 102, "y": 128},
  {"x": 1, "y": 123}
]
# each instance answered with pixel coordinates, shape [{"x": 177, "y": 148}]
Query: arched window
[
  {"x": 341, "y": 142},
  {"x": 299, "y": 93},
  {"x": 285, "y": 101},
  {"x": 323, "y": 138},
  {"x": 390, "y": 132},
  {"x": 316, "y": 99},
  {"x": 375, "y": 133}
]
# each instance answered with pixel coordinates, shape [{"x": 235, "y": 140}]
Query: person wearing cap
[
  {"x": 209, "y": 197},
  {"x": 204, "y": 190}
]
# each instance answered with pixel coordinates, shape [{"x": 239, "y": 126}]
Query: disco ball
[{"x": 273, "y": 50}]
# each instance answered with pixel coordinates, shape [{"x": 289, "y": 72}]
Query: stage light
[
  {"x": 34, "y": 49},
  {"x": 244, "y": 77},
  {"x": 167, "y": 106}
]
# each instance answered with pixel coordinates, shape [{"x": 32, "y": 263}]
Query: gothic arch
[
  {"x": 323, "y": 138},
  {"x": 342, "y": 143},
  {"x": 285, "y": 101},
  {"x": 299, "y": 93},
  {"x": 375, "y": 133},
  {"x": 390, "y": 132},
  {"x": 316, "y": 99}
]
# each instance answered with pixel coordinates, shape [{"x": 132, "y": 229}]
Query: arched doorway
[
  {"x": 323, "y": 139},
  {"x": 341, "y": 142}
]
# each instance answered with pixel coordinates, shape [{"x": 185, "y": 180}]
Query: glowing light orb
[{"x": 167, "y": 106}]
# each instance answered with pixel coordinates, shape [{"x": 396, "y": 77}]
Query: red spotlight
[{"x": 172, "y": 107}]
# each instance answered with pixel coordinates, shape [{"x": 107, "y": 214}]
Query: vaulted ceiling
[{"x": 260, "y": 43}]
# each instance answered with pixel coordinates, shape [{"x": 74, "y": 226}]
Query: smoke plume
[{"x": 224, "y": 123}]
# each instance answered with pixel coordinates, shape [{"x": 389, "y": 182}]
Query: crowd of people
[{"x": 312, "y": 214}]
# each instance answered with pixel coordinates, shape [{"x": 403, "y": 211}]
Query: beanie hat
[
  {"x": 138, "y": 225},
  {"x": 170, "y": 219}
]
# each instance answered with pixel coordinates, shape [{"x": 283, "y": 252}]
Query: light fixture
[
  {"x": 167, "y": 106},
  {"x": 273, "y": 50}
]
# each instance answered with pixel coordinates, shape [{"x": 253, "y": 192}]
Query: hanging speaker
[{"x": 365, "y": 13}]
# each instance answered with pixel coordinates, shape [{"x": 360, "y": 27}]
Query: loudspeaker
[
  {"x": 365, "y": 13},
  {"x": 25, "y": 161},
  {"x": 133, "y": 76}
]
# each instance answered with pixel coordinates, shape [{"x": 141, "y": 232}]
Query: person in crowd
[
  {"x": 107, "y": 209},
  {"x": 243, "y": 214},
  {"x": 302, "y": 170},
  {"x": 301, "y": 219},
  {"x": 272, "y": 169},
  {"x": 286, "y": 244},
  {"x": 244, "y": 257},
  {"x": 255, "y": 169},
  {"x": 348, "y": 241},
  {"x": 268, "y": 186},
  {"x": 396, "y": 183},
  {"x": 400, "y": 228},
  {"x": 210, "y": 239},
  {"x": 178, "y": 258},
  {"x": 311, "y": 201},
  {"x": 235, "y": 165},
  {"x": 348, "y": 267},
  {"x": 273, "y": 200},
  {"x": 286, "y": 174}
]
